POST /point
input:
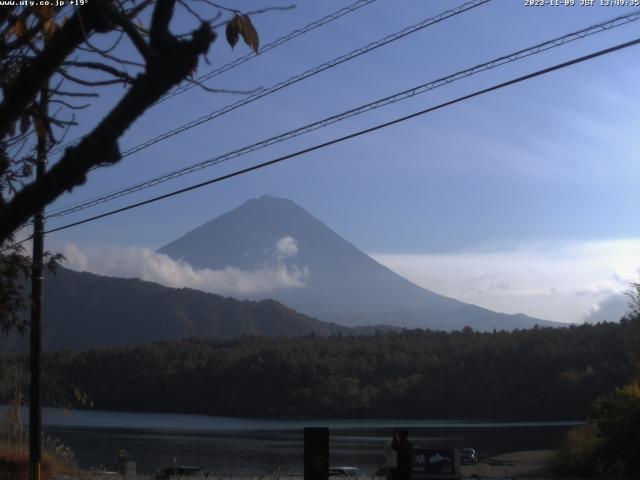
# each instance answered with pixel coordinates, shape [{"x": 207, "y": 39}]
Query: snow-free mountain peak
[{"x": 336, "y": 281}]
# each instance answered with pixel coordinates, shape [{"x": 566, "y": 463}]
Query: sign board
[
  {"x": 130, "y": 469},
  {"x": 427, "y": 463}
]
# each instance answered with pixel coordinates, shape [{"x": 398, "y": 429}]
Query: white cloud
[
  {"x": 610, "y": 309},
  {"x": 144, "y": 263},
  {"x": 287, "y": 247},
  {"x": 562, "y": 282},
  {"x": 76, "y": 259}
]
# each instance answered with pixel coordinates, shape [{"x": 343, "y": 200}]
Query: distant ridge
[
  {"x": 83, "y": 310},
  {"x": 344, "y": 285}
]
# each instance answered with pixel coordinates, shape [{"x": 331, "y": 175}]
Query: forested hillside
[
  {"x": 83, "y": 311},
  {"x": 542, "y": 373}
]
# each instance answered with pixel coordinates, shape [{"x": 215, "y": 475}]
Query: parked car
[
  {"x": 468, "y": 456},
  {"x": 345, "y": 472},
  {"x": 181, "y": 472}
]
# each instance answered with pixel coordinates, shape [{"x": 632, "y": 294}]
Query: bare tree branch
[
  {"x": 69, "y": 105},
  {"x": 75, "y": 94},
  {"x": 175, "y": 60},
  {"x": 32, "y": 78},
  {"x": 90, "y": 83},
  {"x": 102, "y": 67},
  {"x": 114, "y": 58},
  {"x": 39, "y": 50},
  {"x": 130, "y": 29}
]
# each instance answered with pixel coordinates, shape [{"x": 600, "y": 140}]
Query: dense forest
[{"x": 541, "y": 373}]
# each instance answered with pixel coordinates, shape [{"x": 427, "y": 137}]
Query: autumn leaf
[
  {"x": 49, "y": 27},
  {"x": 20, "y": 28},
  {"x": 249, "y": 32},
  {"x": 232, "y": 31},
  {"x": 44, "y": 13}
]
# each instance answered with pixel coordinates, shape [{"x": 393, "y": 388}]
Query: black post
[
  {"x": 35, "y": 396},
  {"x": 316, "y": 453}
]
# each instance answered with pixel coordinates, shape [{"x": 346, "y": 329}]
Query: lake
[{"x": 242, "y": 446}]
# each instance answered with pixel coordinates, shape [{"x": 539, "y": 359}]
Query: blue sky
[{"x": 547, "y": 166}]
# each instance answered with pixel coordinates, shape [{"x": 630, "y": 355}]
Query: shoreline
[
  {"x": 192, "y": 422},
  {"x": 245, "y": 454},
  {"x": 524, "y": 464}
]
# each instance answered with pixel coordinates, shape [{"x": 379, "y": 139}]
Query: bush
[
  {"x": 617, "y": 417},
  {"x": 609, "y": 445},
  {"x": 578, "y": 453}
]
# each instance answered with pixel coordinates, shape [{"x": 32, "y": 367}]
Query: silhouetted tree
[{"x": 50, "y": 61}]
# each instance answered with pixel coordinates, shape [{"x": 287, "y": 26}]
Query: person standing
[
  {"x": 403, "y": 468},
  {"x": 123, "y": 458},
  {"x": 391, "y": 455}
]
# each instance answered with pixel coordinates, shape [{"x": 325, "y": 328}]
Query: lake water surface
[{"x": 242, "y": 446}]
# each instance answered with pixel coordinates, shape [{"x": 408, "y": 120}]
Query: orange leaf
[
  {"x": 232, "y": 31},
  {"x": 49, "y": 27},
  {"x": 249, "y": 32},
  {"x": 20, "y": 28},
  {"x": 44, "y": 13}
]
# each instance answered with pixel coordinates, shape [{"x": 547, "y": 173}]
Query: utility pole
[{"x": 35, "y": 396}]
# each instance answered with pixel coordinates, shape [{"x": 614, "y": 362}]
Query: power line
[
  {"x": 245, "y": 58},
  {"x": 294, "y": 34},
  {"x": 359, "y": 133},
  {"x": 423, "y": 88},
  {"x": 306, "y": 74},
  {"x": 14, "y": 245},
  {"x": 309, "y": 73}
]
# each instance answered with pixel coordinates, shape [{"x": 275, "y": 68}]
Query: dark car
[
  {"x": 468, "y": 456},
  {"x": 178, "y": 473}
]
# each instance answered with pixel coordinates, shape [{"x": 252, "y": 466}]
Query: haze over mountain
[{"x": 337, "y": 281}]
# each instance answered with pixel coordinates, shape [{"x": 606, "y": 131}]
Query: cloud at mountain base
[
  {"x": 567, "y": 282},
  {"x": 612, "y": 308},
  {"x": 146, "y": 264}
]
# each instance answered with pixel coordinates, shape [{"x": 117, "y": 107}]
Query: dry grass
[{"x": 15, "y": 465}]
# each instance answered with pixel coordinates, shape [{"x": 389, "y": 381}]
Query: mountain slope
[
  {"x": 83, "y": 310},
  {"x": 343, "y": 283}
]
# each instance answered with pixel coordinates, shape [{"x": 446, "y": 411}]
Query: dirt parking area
[{"x": 533, "y": 463}]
